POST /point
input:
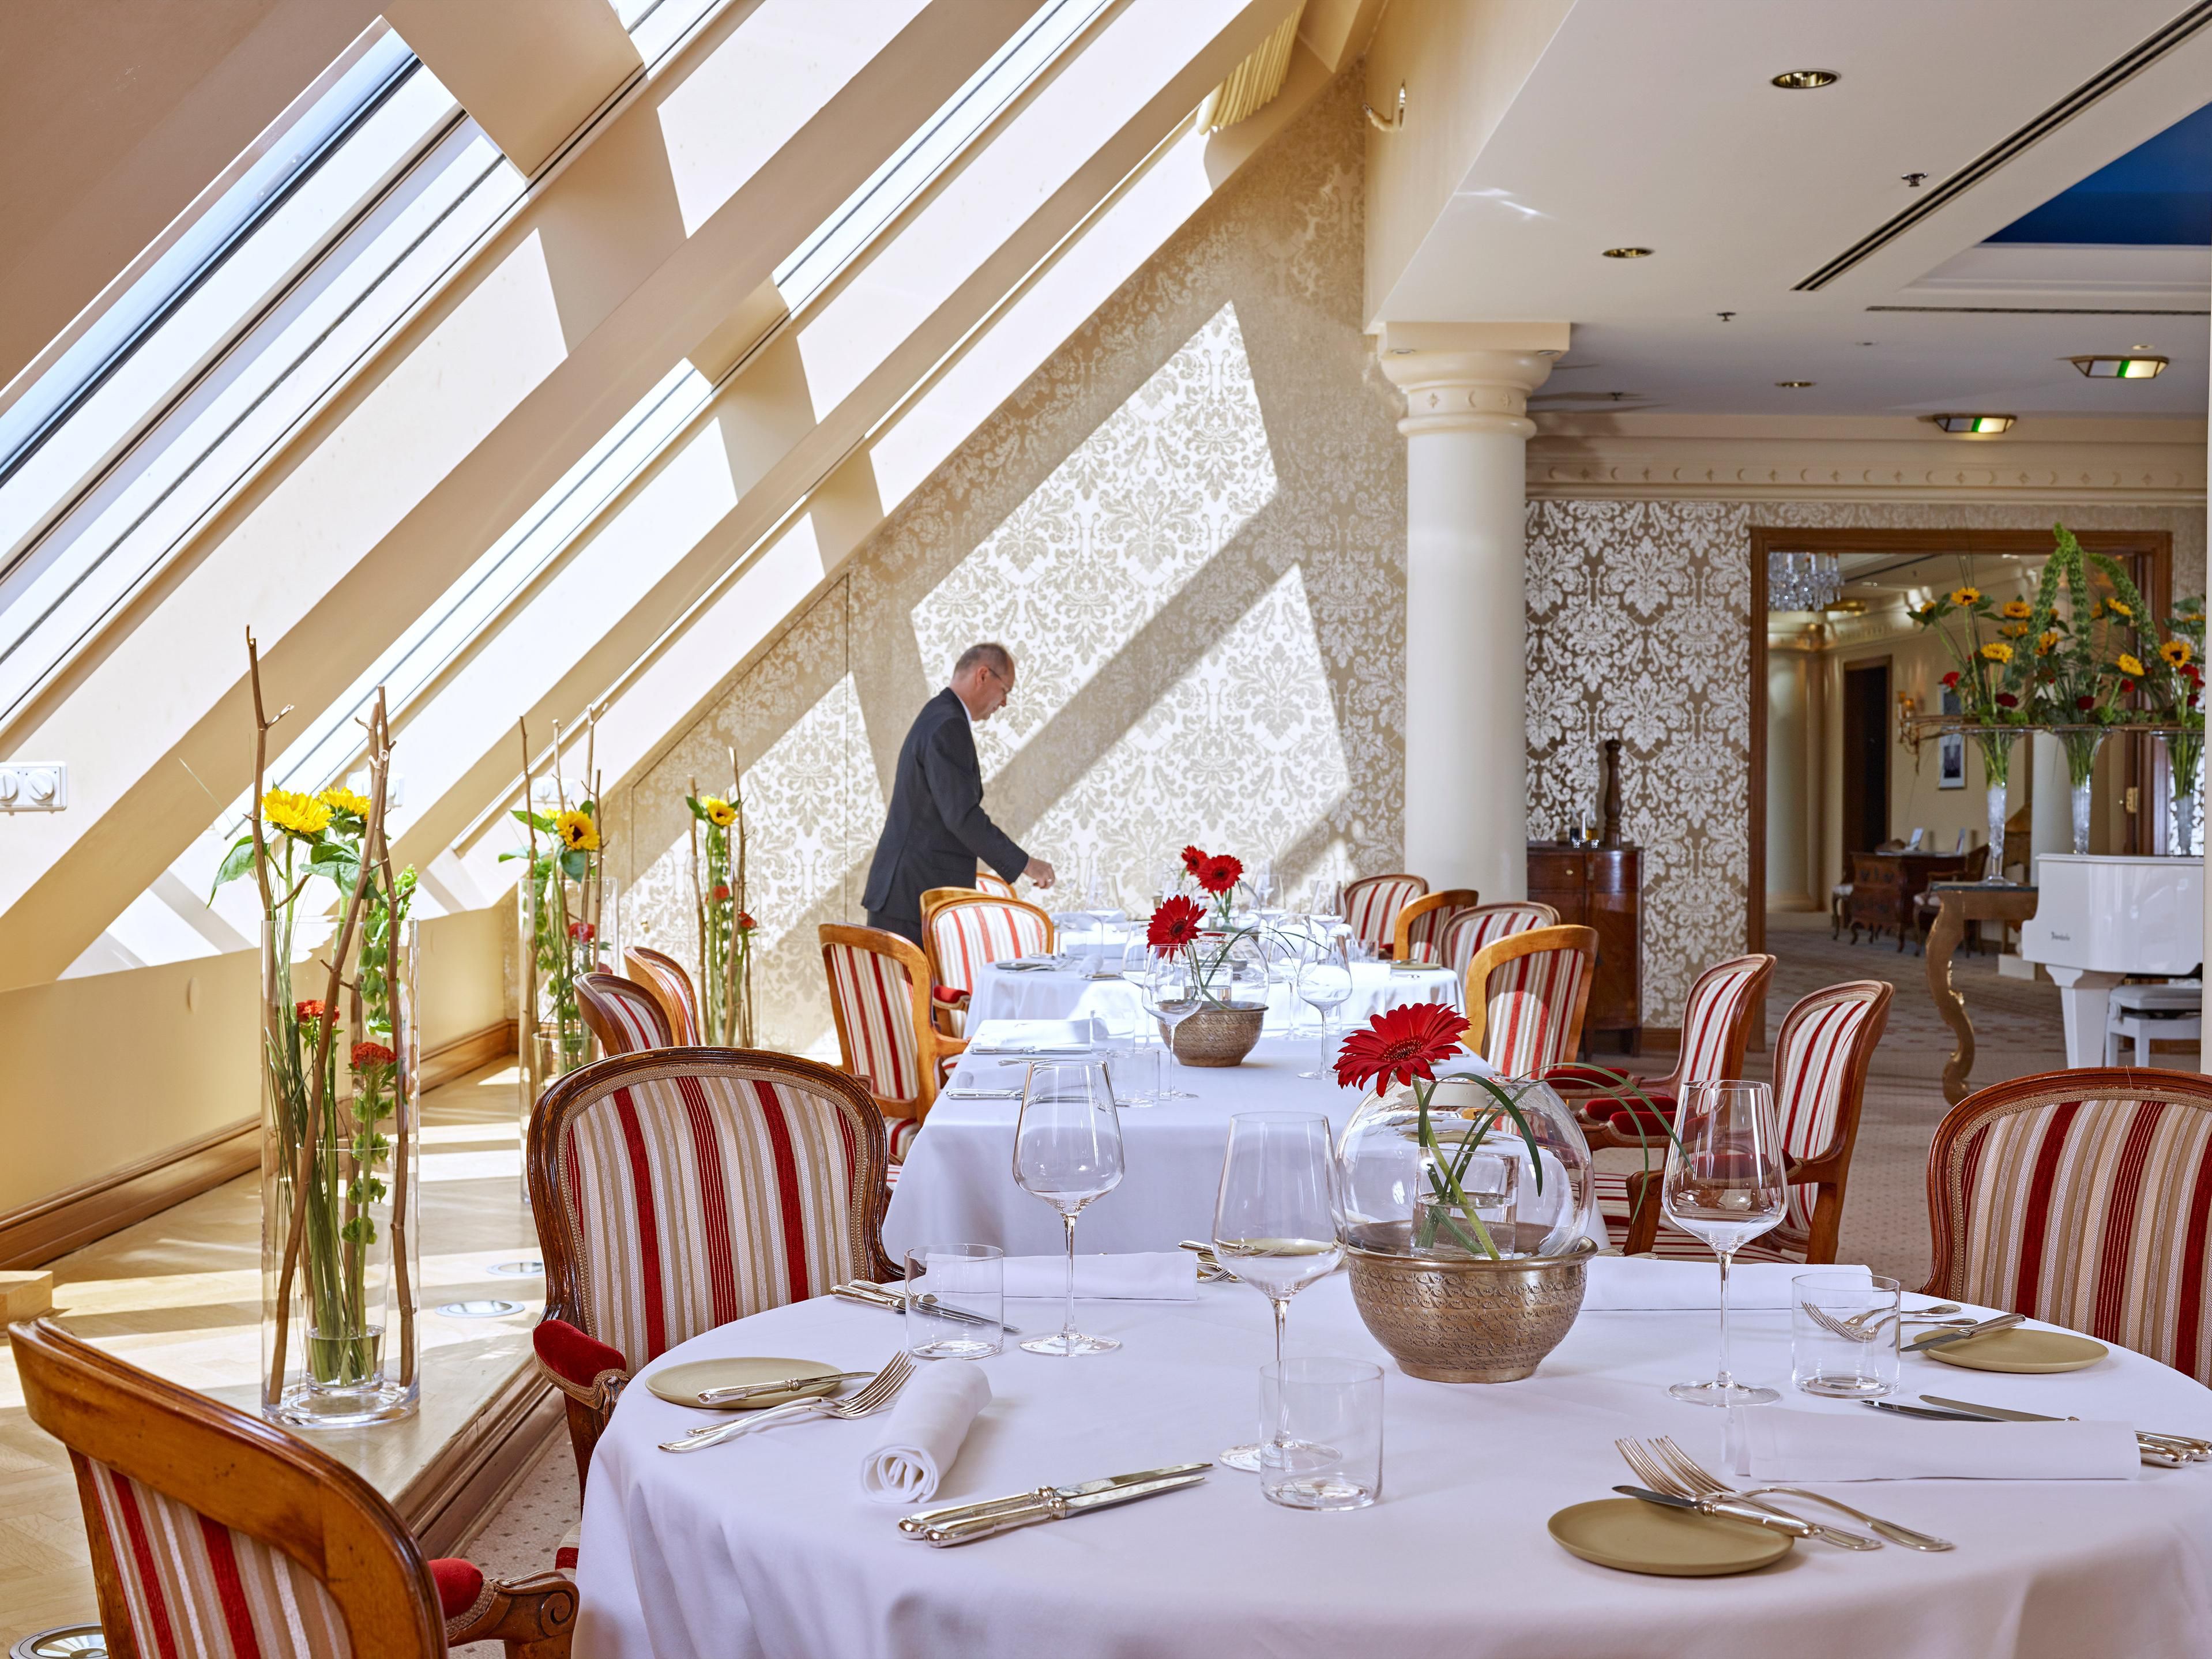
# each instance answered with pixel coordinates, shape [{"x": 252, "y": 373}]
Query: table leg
[{"x": 1942, "y": 939}]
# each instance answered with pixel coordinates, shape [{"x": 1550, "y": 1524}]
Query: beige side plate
[
  {"x": 681, "y": 1385},
  {"x": 2016, "y": 1350},
  {"x": 1633, "y": 1536}
]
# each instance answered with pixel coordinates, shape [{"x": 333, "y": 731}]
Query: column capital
[{"x": 1468, "y": 376}]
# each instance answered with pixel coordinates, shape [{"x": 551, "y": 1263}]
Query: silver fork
[
  {"x": 1911, "y": 1537},
  {"x": 873, "y": 1398},
  {"x": 1660, "y": 1475},
  {"x": 1870, "y": 1325}
]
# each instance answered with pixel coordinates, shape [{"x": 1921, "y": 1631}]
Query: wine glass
[
  {"x": 1275, "y": 1221},
  {"x": 1723, "y": 1184},
  {"x": 1068, "y": 1151},
  {"x": 1163, "y": 984},
  {"x": 1262, "y": 881},
  {"x": 1325, "y": 981}
]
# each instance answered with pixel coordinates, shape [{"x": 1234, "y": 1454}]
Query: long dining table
[{"x": 765, "y": 1547}]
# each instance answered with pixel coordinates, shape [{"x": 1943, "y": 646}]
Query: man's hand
[{"x": 1040, "y": 873}]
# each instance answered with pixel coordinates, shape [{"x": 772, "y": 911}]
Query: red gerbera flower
[
  {"x": 721, "y": 891},
  {"x": 582, "y": 930},
  {"x": 312, "y": 1009},
  {"x": 745, "y": 922},
  {"x": 1175, "y": 924},
  {"x": 1401, "y": 1044},
  {"x": 365, "y": 1054},
  {"x": 2085, "y": 704},
  {"x": 2006, "y": 700},
  {"x": 1219, "y": 872},
  {"x": 1951, "y": 680},
  {"x": 1193, "y": 860},
  {"x": 2127, "y": 688}
]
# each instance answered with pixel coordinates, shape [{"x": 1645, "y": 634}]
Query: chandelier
[{"x": 1803, "y": 581}]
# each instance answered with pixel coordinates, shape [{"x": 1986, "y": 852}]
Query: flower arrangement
[
  {"x": 565, "y": 910},
  {"x": 338, "y": 1089},
  {"x": 1211, "y": 942},
  {"x": 725, "y": 927}
]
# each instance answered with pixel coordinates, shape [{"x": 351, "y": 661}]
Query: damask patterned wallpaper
[
  {"x": 1188, "y": 527},
  {"x": 1639, "y": 628}
]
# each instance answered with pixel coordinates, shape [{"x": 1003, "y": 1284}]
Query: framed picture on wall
[{"x": 1951, "y": 751}]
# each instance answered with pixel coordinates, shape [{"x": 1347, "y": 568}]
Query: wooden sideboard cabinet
[{"x": 1600, "y": 887}]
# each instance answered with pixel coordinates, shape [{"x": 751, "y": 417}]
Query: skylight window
[
  {"x": 937, "y": 142},
  {"x": 657, "y": 26}
]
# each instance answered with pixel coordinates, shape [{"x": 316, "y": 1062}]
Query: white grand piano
[{"x": 2098, "y": 919}]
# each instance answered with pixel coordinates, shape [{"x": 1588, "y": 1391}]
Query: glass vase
[
  {"x": 340, "y": 1173},
  {"x": 568, "y": 928},
  {"x": 2080, "y": 748},
  {"x": 2185, "y": 756},
  {"x": 1996, "y": 769}
]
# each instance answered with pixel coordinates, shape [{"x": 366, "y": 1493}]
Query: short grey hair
[{"x": 990, "y": 652}]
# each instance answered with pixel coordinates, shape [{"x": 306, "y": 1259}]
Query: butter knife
[
  {"x": 921, "y": 1520},
  {"x": 2003, "y": 1321},
  {"x": 1726, "y": 1510},
  {"x": 754, "y": 1390},
  {"x": 2190, "y": 1446},
  {"x": 1054, "y": 1508},
  {"x": 2157, "y": 1453},
  {"x": 895, "y": 1302}
]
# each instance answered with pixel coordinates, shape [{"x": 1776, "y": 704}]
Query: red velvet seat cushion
[
  {"x": 950, "y": 995},
  {"x": 571, "y": 1355},
  {"x": 459, "y": 1582}
]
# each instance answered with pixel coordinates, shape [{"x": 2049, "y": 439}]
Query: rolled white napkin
[
  {"x": 1807, "y": 1446},
  {"x": 1138, "y": 1276},
  {"x": 1617, "y": 1283},
  {"x": 923, "y": 1435}
]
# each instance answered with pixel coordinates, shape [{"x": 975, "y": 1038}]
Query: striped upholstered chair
[
  {"x": 681, "y": 1189},
  {"x": 1526, "y": 996},
  {"x": 669, "y": 985},
  {"x": 962, "y": 931},
  {"x": 1820, "y": 1059},
  {"x": 2083, "y": 1198},
  {"x": 1466, "y": 933},
  {"x": 1419, "y": 933},
  {"x": 989, "y": 881},
  {"x": 621, "y": 1014},
  {"x": 879, "y": 998},
  {"x": 216, "y": 1535},
  {"x": 1371, "y": 906}
]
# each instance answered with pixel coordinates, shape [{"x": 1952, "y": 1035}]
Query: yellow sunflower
[
  {"x": 1963, "y": 597},
  {"x": 2131, "y": 665},
  {"x": 2046, "y": 642},
  {"x": 1997, "y": 651},
  {"x": 2019, "y": 610},
  {"x": 2176, "y": 652},
  {"x": 295, "y": 814},
  {"x": 339, "y": 798},
  {"x": 2120, "y": 609},
  {"x": 577, "y": 832},
  {"x": 2015, "y": 631},
  {"x": 718, "y": 811},
  {"x": 1926, "y": 612}
]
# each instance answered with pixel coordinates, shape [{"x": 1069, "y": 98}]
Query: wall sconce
[
  {"x": 1905, "y": 708},
  {"x": 1397, "y": 121}
]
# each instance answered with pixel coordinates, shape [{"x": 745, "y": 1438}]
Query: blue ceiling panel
[{"x": 2157, "y": 194}]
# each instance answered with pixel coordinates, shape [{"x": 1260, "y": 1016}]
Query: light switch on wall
[{"x": 33, "y": 787}]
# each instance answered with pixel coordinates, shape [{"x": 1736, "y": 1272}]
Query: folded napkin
[
  {"x": 1617, "y": 1283},
  {"x": 1139, "y": 1276},
  {"x": 1000, "y": 1035},
  {"x": 1779, "y": 1444},
  {"x": 923, "y": 1434}
]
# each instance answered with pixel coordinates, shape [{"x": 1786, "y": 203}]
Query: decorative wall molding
[{"x": 1885, "y": 459}]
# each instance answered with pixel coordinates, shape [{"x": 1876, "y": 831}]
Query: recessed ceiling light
[
  {"x": 1974, "y": 423},
  {"x": 1793, "y": 384},
  {"x": 1629, "y": 252},
  {"x": 1806, "y": 80},
  {"x": 2148, "y": 367}
]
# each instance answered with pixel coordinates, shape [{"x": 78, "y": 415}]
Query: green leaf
[
  {"x": 236, "y": 863},
  {"x": 576, "y": 865}
]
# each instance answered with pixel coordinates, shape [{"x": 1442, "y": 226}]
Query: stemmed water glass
[
  {"x": 1275, "y": 1220},
  {"x": 1262, "y": 883},
  {"x": 1723, "y": 1184},
  {"x": 1163, "y": 985},
  {"x": 1325, "y": 982},
  {"x": 1068, "y": 1151}
]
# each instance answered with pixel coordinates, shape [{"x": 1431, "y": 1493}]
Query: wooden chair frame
[
  {"x": 939, "y": 899},
  {"x": 1604, "y": 1136},
  {"x": 1830, "y": 1168},
  {"x": 251, "y": 1476},
  {"x": 1947, "y": 1184},
  {"x": 589, "y": 1409},
  {"x": 1528, "y": 943},
  {"x": 592, "y": 1000},
  {"x": 670, "y": 982},
  {"x": 1358, "y": 882},
  {"x": 1452, "y": 898},
  {"x": 932, "y": 1046}
]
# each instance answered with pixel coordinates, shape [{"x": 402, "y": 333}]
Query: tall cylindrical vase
[
  {"x": 2081, "y": 768},
  {"x": 2185, "y": 753},
  {"x": 568, "y": 929},
  {"x": 1996, "y": 769},
  {"x": 340, "y": 1173}
]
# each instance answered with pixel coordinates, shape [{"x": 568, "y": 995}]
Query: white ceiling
[{"x": 1656, "y": 125}]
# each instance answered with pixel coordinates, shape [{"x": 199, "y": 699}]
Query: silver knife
[
  {"x": 1054, "y": 1508},
  {"x": 2193, "y": 1447},
  {"x": 2003, "y": 1321},
  {"x": 2156, "y": 1452},
  {"x": 875, "y": 1295},
  {"x": 921, "y": 1520},
  {"x": 1723, "y": 1508}
]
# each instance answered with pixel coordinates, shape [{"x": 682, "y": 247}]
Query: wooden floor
[{"x": 181, "y": 1294}]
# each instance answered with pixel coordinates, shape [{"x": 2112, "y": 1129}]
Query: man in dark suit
[{"x": 937, "y": 828}]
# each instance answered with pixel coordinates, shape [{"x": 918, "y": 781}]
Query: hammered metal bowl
[
  {"x": 1217, "y": 1036},
  {"x": 1463, "y": 1319}
]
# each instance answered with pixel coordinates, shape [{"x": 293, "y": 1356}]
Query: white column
[{"x": 1467, "y": 433}]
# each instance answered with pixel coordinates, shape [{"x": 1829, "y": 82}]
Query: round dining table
[
  {"x": 765, "y": 1547},
  {"x": 1094, "y": 987}
]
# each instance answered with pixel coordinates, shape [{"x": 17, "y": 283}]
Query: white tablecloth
[
  {"x": 765, "y": 1548},
  {"x": 1057, "y": 993},
  {"x": 957, "y": 1185}
]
